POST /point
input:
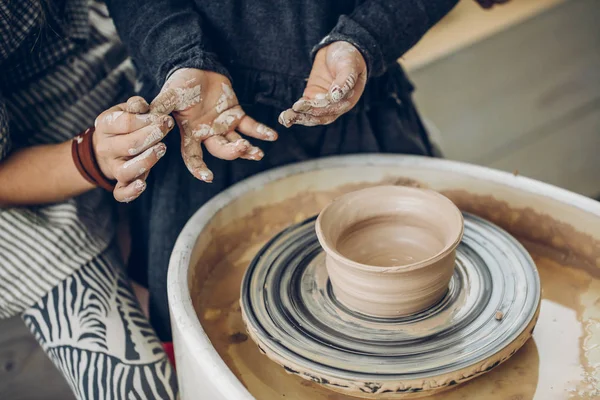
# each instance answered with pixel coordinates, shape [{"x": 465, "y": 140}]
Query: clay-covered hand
[
  {"x": 208, "y": 112},
  {"x": 336, "y": 82},
  {"x": 490, "y": 3},
  {"x": 127, "y": 144}
]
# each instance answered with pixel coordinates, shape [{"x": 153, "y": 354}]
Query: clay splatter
[{"x": 223, "y": 102}]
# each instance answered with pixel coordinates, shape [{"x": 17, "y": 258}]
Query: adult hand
[
  {"x": 127, "y": 144},
  {"x": 336, "y": 82},
  {"x": 207, "y": 112}
]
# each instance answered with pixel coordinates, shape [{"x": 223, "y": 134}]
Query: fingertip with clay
[
  {"x": 137, "y": 105},
  {"x": 250, "y": 127},
  {"x": 288, "y": 117},
  {"x": 237, "y": 148},
  {"x": 336, "y": 93},
  {"x": 254, "y": 154},
  {"x": 222, "y": 148},
  {"x": 130, "y": 192},
  {"x": 167, "y": 121},
  {"x": 266, "y": 133},
  {"x": 203, "y": 173}
]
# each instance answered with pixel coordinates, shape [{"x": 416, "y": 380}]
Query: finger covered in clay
[
  {"x": 142, "y": 139},
  {"x": 139, "y": 165},
  {"x": 180, "y": 92},
  {"x": 290, "y": 117},
  {"x": 137, "y": 105},
  {"x": 250, "y": 127},
  {"x": 222, "y": 148},
  {"x": 253, "y": 153},
  {"x": 127, "y": 192},
  {"x": 191, "y": 152}
]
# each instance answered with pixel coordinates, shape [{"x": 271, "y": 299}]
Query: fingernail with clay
[
  {"x": 266, "y": 132},
  {"x": 256, "y": 153},
  {"x": 336, "y": 93},
  {"x": 287, "y": 117},
  {"x": 242, "y": 144},
  {"x": 139, "y": 185},
  {"x": 169, "y": 122},
  {"x": 160, "y": 151},
  {"x": 205, "y": 175},
  {"x": 137, "y": 106},
  {"x": 281, "y": 118}
]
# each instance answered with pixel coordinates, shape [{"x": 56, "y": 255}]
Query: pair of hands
[{"x": 127, "y": 141}]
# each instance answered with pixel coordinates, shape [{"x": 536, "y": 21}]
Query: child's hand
[
  {"x": 336, "y": 82},
  {"x": 127, "y": 144},
  {"x": 207, "y": 111}
]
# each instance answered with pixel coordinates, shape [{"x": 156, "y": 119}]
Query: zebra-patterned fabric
[
  {"x": 93, "y": 330},
  {"x": 61, "y": 65}
]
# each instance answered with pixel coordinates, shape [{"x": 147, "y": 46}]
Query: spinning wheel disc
[{"x": 488, "y": 313}]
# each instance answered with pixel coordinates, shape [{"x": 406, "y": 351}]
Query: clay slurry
[{"x": 388, "y": 242}]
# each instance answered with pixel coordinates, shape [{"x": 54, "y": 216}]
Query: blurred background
[{"x": 515, "y": 88}]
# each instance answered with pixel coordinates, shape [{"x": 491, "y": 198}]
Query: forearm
[
  {"x": 383, "y": 30},
  {"x": 40, "y": 175}
]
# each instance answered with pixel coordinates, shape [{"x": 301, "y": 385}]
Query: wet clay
[
  {"x": 562, "y": 361},
  {"x": 388, "y": 242},
  {"x": 390, "y": 249}
]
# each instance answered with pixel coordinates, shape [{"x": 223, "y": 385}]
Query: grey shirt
[{"x": 60, "y": 66}]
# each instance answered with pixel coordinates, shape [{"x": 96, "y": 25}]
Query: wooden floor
[
  {"x": 527, "y": 98},
  {"x": 467, "y": 24},
  {"x": 25, "y": 371}
]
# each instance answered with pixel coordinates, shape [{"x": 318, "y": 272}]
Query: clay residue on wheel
[
  {"x": 567, "y": 259},
  {"x": 528, "y": 225}
]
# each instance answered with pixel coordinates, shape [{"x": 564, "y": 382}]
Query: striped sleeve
[{"x": 4, "y": 130}]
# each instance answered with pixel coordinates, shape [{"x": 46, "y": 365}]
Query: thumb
[
  {"x": 345, "y": 80},
  {"x": 347, "y": 66},
  {"x": 165, "y": 102},
  {"x": 181, "y": 91},
  {"x": 175, "y": 99}
]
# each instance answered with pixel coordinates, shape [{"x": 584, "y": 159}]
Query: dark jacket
[{"x": 266, "y": 48}]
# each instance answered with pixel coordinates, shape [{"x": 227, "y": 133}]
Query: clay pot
[{"x": 390, "y": 250}]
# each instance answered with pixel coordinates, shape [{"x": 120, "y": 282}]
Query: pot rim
[{"x": 348, "y": 263}]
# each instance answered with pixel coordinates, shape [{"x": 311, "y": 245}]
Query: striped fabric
[
  {"x": 92, "y": 328},
  {"x": 72, "y": 68}
]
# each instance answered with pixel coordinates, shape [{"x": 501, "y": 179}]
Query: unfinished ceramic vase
[{"x": 390, "y": 250}]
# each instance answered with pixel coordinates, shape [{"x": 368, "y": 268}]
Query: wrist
[
  {"x": 195, "y": 58},
  {"x": 73, "y": 183},
  {"x": 99, "y": 161},
  {"x": 84, "y": 158}
]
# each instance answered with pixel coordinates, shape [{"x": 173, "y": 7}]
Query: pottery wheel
[{"x": 487, "y": 314}]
